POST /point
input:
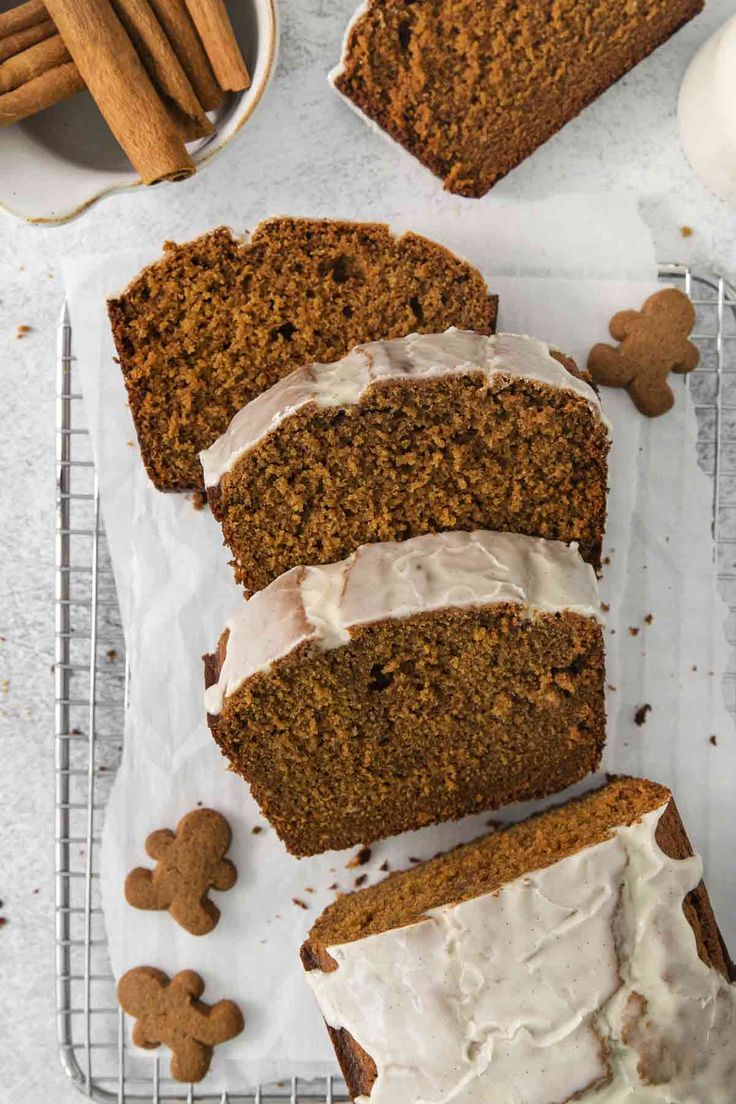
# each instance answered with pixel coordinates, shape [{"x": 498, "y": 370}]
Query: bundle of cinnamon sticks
[{"x": 154, "y": 68}]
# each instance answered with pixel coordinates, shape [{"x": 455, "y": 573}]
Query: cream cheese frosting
[
  {"x": 416, "y": 357},
  {"x": 398, "y": 579},
  {"x": 579, "y": 980}
]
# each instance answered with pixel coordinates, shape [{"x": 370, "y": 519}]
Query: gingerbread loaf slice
[
  {"x": 572, "y": 956},
  {"x": 218, "y": 320},
  {"x": 414, "y": 682},
  {"x": 472, "y": 89},
  {"x": 415, "y": 435}
]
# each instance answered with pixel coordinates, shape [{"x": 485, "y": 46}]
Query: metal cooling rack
[{"x": 90, "y": 689}]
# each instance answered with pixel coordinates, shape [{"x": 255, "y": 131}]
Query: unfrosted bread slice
[
  {"x": 421, "y": 434},
  {"x": 218, "y": 320},
  {"x": 571, "y": 956},
  {"x": 471, "y": 89},
  {"x": 414, "y": 682}
]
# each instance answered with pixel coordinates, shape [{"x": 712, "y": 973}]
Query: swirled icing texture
[
  {"x": 398, "y": 579},
  {"x": 527, "y": 995},
  {"x": 416, "y": 357}
]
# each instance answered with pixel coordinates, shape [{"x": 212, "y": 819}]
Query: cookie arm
[
  {"x": 141, "y": 1039},
  {"x": 622, "y": 324},
  {"x": 688, "y": 361},
  {"x": 188, "y": 983},
  {"x": 159, "y": 842},
  {"x": 221, "y": 1022},
  {"x": 141, "y": 891},
  {"x": 224, "y": 875},
  {"x": 608, "y": 366}
]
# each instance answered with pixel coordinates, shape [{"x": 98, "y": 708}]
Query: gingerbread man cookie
[
  {"x": 189, "y": 863},
  {"x": 654, "y": 342},
  {"x": 170, "y": 1012}
]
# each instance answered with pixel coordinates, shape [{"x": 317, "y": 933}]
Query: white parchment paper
[{"x": 562, "y": 267}]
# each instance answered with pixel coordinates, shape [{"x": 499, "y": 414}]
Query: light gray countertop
[{"x": 303, "y": 153}]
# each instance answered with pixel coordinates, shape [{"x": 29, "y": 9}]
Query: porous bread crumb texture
[
  {"x": 413, "y": 458},
  {"x": 215, "y": 322},
  {"x": 485, "y": 865},
  {"x": 417, "y": 720},
  {"x": 472, "y": 89}
]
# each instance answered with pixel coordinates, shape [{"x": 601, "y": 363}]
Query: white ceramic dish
[
  {"x": 54, "y": 166},
  {"x": 706, "y": 113}
]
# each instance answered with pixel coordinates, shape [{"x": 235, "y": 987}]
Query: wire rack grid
[{"x": 90, "y": 689}]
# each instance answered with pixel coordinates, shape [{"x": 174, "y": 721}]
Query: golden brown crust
[
  {"x": 514, "y": 75},
  {"x": 216, "y": 321},
  {"x": 672, "y": 838}
]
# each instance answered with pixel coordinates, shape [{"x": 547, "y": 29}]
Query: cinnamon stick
[
  {"x": 176, "y": 21},
  {"x": 25, "y": 15},
  {"x": 218, "y": 38},
  {"x": 44, "y": 91},
  {"x": 32, "y": 63},
  {"x": 20, "y": 40},
  {"x": 122, "y": 89},
  {"x": 164, "y": 68}
]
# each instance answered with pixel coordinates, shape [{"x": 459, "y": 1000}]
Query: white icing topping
[
  {"x": 525, "y": 996},
  {"x": 416, "y": 357},
  {"x": 398, "y": 579},
  {"x": 706, "y": 116}
]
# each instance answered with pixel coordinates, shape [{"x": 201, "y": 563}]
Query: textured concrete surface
[{"x": 304, "y": 152}]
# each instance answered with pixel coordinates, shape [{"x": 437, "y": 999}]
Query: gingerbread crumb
[
  {"x": 649, "y": 618},
  {"x": 641, "y": 714},
  {"x": 23, "y": 330},
  {"x": 299, "y": 903},
  {"x": 633, "y": 630},
  {"x": 111, "y": 655},
  {"x": 361, "y": 879},
  {"x": 333, "y": 886},
  {"x": 384, "y": 866},
  {"x": 686, "y": 231},
  {"x": 605, "y": 607},
  {"x": 362, "y": 857},
  {"x": 256, "y": 829},
  {"x": 713, "y": 740},
  {"x": 199, "y": 500}
]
